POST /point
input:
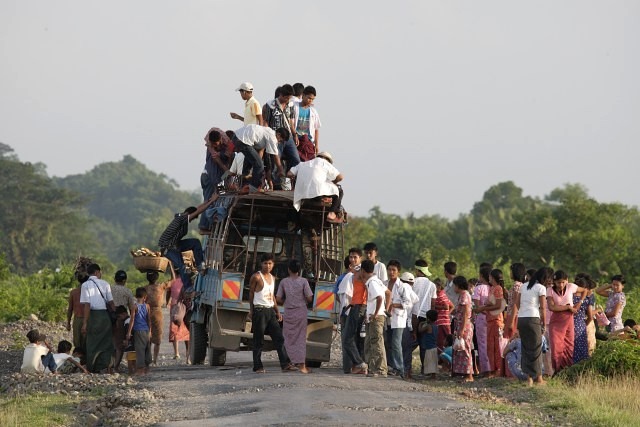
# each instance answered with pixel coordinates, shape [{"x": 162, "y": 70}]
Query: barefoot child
[{"x": 139, "y": 325}]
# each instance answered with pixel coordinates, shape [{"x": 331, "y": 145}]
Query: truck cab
[{"x": 247, "y": 227}]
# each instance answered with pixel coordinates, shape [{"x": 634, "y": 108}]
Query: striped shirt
[{"x": 175, "y": 231}]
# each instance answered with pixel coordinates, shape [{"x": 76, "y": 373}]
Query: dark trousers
[
  {"x": 352, "y": 334},
  {"x": 408, "y": 345},
  {"x": 346, "y": 361},
  {"x": 264, "y": 321},
  {"x": 251, "y": 157},
  {"x": 175, "y": 256}
]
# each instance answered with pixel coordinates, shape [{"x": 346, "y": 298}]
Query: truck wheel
[
  {"x": 198, "y": 343},
  {"x": 312, "y": 363},
  {"x": 217, "y": 357}
]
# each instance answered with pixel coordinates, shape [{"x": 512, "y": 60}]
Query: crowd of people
[
  {"x": 108, "y": 322},
  {"x": 468, "y": 327}
]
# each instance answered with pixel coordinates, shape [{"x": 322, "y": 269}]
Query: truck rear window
[{"x": 266, "y": 244}]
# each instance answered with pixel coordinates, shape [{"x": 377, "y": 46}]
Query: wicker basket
[{"x": 154, "y": 263}]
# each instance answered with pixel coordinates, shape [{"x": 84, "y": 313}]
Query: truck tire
[
  {"x": 217, "y": 357},
  {"x": 198, "y": 343},
  {"x": 313, "y": 363}
]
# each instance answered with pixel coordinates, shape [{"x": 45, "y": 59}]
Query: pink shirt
[
  {"x": 565, "y": 299},
  {"x": 481, "y": 293}
]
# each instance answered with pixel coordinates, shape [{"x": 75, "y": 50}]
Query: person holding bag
[
  {"x": 95, "y": 295},
  {"x": 178, "y": 329}
]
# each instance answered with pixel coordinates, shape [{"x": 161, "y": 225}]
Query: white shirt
[
  {"x": 59, "y": 358},
  {"x": 426, "y": 293},
  {"x": 345, "y": 290},
  {"x": 375, "y": 289},
  {"x": 314, "y": 178},
  {"x": 402, "y": 293},
  {"x": 89, "y": 293},
  {"x": 530, "y": 300},
  {"x": 258, "y": 137},
  {"x": 238, "y": 162},
  {"x": 31, "y": 359},
  {"x": 451, "y": 293},
  {"x": 380, "y": 270}
]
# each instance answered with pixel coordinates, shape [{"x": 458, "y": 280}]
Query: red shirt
[
  {"x": 359, "y": 292},
  {"x": 443, "y": 315}
]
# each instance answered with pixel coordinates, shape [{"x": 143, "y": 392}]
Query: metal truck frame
[{"x": 254, "y": 224}]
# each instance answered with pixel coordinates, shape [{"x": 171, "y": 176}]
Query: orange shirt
[{"x": 359, "y": 292}]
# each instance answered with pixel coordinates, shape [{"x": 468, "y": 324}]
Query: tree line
[{"x": 47, "y": 222}]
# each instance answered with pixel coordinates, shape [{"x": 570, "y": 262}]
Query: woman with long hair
[
  {"x": 493, "y": 310},
  {"x": 561, "y": 328},
  {"x": 532, "y": 310},
  {"x": 583, "y": 316},
  {"x": 462, "y": 360},
  {"x": 518, "y": 275}
]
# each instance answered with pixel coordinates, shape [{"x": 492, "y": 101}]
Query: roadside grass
[
  {"x": 589, "y": 400},
  {"x": 37, "y": 410}
]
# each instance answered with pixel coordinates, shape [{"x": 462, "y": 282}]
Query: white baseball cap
[{"x": 246, "y": 86}]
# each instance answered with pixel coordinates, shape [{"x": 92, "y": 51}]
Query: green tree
[{"x": 40, "y": 223}]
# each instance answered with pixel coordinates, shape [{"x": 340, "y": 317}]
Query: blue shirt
[{"x": 141, "y": 321}]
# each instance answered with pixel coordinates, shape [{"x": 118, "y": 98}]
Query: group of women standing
[{"x": 545, "y": 303}]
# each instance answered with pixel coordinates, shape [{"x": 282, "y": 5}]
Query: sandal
[
  {"x": 260, "y": 371},
  {"x": 290, "y": 367}
]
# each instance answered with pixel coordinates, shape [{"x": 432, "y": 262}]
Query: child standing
[
  {"x": 444, "y": 308},
  {"x": 615, "y": 302},
  {"x": 139, "y": 325},
  {"x": 429, "y": 336},
  {"x": 37, "y": 354}
]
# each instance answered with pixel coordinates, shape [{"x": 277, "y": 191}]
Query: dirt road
[{"x": 234, "y": 395}]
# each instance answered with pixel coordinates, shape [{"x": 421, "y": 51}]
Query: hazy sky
[{"x": 424, "y": 104}]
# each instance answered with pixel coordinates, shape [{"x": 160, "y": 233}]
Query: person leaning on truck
[
  {"x": 172, "y": 244},
  {"x": 264, "y": 314}
]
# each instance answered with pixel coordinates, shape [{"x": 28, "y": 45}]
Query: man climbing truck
[{"x": 247, "y": 227}]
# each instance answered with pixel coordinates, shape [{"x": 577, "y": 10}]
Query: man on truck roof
[{"x": 315, "y": 178}]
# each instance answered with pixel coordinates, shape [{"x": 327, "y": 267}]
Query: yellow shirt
[{"x": 251, "y": 110}]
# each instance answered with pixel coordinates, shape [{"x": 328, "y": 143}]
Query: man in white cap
[
  {"x": 252, "y": 108},
  {"x": 426, "y": 291},
  {"x": 315, "y": 178}
]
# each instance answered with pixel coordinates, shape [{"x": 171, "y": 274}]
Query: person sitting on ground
[
  {"x": 172, "y": 244},
  {"x": 513, "y": 356},
  {"x": 65, "y": 362},
  {"x": 252, "y": 141},
  {"x": 447, "y": 353},
  {"x": 69, "y": 365},
  {"x": 37, "y": 354},
  {"x": 316, "y": 178}
]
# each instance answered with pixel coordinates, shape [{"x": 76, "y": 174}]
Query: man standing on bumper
[{"x": 265, "y": 316}]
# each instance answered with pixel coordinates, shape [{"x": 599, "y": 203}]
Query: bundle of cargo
[{"x": 147, "y": 260}]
